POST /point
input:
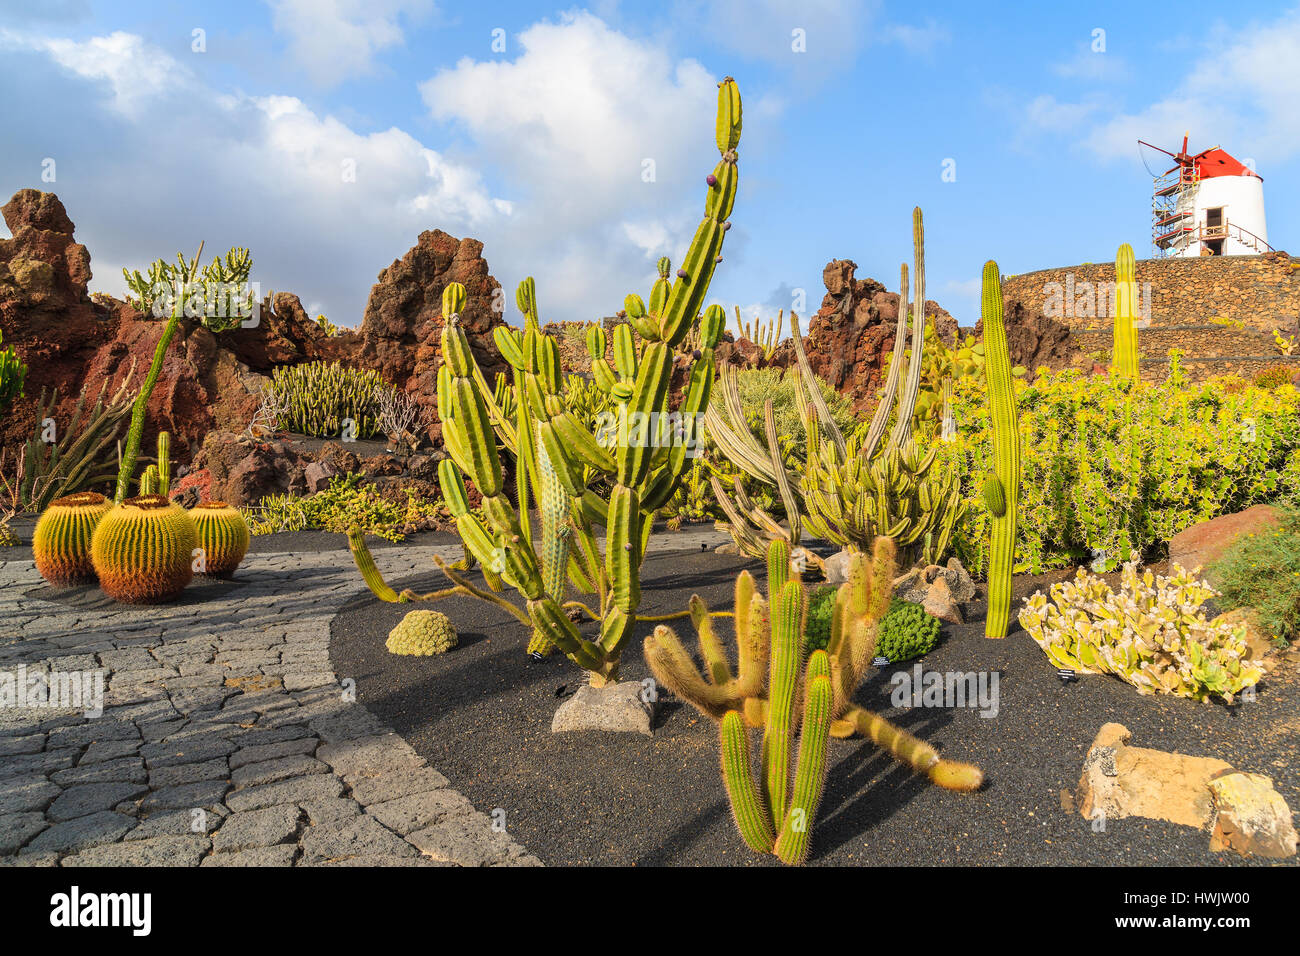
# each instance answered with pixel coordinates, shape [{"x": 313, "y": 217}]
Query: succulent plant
[
  {"x": 223, "y": 535},
  {"x": 421, "y": 634},
  {"x": 634, "y": 450},
  {"x": 773, "y": 813},
  {"x": 61, "y": 540},
  {"x": 1124, "y": 356},
  {"x": 316, "y": 397},
  {"x": 13, "y": 373},
  {"x": 142, "y": 550},
  {"x": 906, "y": 632},
  {"x": 1151, "y": 633},
  {"x": 1002, "y": 485},
  {"x": 852, "y": 489}
]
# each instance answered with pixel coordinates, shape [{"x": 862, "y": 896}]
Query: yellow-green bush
[
  {"x": 344, "y": 503},
  {"x": 1111, "y": 473},
  {"x": 757, "y": 385}
]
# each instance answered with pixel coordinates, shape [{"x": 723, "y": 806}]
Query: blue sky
[{"x": 538, "y": 149}]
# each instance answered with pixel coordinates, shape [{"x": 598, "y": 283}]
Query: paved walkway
[{"x": 226, "y": 737}]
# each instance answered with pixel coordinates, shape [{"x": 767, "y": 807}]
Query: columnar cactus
[
  {"x": 1124, "y": 357},
  {"x": 1002, "y": 487},
  {"x": 61, "y": 541},
  {"x": 164, "y": 463},
  {"x": 773, "y": 814},
  {"x": 149, "y": 480},
  {"x": 638, "y": 448},
  {"x": 854, "y": 489},
  {"x": 142, "y": 550}
]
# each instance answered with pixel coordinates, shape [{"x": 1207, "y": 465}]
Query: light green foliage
[
  {"x": 421, "y": 634},
  {"x": 1111, "y": 470},
  {"x": 346, "y": 502},
  {"x": 1262, "y": 571},
  {"x": 13, "y": 372},
  {"x": 1151, "y": 633},
  {"x": 217, "y": 293},
  {"x": 318, "y": 396}
]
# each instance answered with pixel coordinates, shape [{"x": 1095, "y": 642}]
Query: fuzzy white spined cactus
[{"x": 1151, "y": 633}]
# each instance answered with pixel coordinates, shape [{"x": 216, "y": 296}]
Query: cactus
[
  {"x": 421, "y": 634},
  {"x": 766, "y": 335},
  {"x": 61, "y": 540},
  {"x": 13, "y": 373},
  {"x": 223, "y": 534},
  {"x": 149, "y": 481},
  {"x": 136, "y": 432},
  {"x": 1001, "y": 490},
  {"x": 142, "y": 550},
  {"x": 1124, "y": 357},
  {"x": 631, "y": 447},
  {"x": 851, "y": 490},
  {"x": 164, "y": 463},
  {"x": 316, "y": 397},
  {"x": 772, "y": 813}
]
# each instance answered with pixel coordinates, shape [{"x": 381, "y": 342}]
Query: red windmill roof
[{"x": 1215, "y": 162}]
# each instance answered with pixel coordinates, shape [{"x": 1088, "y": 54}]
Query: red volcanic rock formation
[{"x": 849, "y": 339}]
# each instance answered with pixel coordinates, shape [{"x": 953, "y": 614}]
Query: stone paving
[{"x": 226, "y": 738}]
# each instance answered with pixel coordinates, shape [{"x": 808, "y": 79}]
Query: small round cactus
[
  {"x": 61, "y": 541},
  {"x": 422, "y": 633}
]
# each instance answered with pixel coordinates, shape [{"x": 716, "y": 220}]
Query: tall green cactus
[
  {"x": 164, "y": 463},
  {"x": 773, "y": 813},
  {"x": 1124, "y": 357},
  {"x": 1002, "y": 488},
  {"x": 642, "y": 454}
]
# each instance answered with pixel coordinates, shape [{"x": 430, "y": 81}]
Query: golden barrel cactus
[
  {"x": 61, "y": 541},
  {"x": 222, "y": 534},
  {"x": 142, "y": 550}
]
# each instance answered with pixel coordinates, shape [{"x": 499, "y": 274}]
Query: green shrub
[
  {"x": 344, "y": 503},
  {"x": 906, "y": 631},
  {"x": 1262, "y": 571},
  {"x": 1111, "y": 473},
  {"x": 13, "y": 373},
  {"x": 316, "y": 397}
]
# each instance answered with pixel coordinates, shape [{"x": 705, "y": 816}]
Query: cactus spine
[
  {"x": 639, "y": 457},
  {"x": 1124, "y": 357},
  {"x": 142, "y": 550},
  {"x": 61, "y": 540},
  {"x": 223, "y": 534},
  {"x": 1001, "y": 490}
]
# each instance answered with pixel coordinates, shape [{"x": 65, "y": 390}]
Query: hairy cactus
[
  {"x": 635, "y": 449},
  {"x": 1124, "y": 356},
  {"x": 223, "y": 535},
  {"x": 851, "y": 490},
  {"x": 1002, "y": 487},
  {"x": 61, "y": 541},
  {"x": 773, "y": 813},
  {"x": 142, "y": 550},
  {"x": 1151, "y": 633},
  {"x": 421, "y": 634}
]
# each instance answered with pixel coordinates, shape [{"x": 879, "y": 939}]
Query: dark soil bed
[{"x": 481, "y": 714}]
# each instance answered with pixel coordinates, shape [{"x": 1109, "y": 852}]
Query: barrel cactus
[
  {"x": 422, "y": 633},
  {"x": 61, "y": 541},
  {"x": 142, "y": 550},
  {"x": 222, "y": 534}
]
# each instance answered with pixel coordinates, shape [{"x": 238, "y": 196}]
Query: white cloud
[
  {"x": 175, "y": 162},
  {"x": 334, "y": 40},
  {"x": 918, "y": 40},
  {"x": 572, "y": 121},
  {"x": 1092, "y": 66},
  {"x": 763, "y": 29},
  {"x": 1238, "y": 92}
]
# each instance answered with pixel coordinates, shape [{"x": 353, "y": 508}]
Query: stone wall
[{"x": 1263, "y": 292}]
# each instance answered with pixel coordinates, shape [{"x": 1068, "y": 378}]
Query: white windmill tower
[{"x": 1208, "y": 204}]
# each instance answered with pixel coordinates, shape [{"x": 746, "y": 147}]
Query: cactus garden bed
[{"x": 481, "y": 714}]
